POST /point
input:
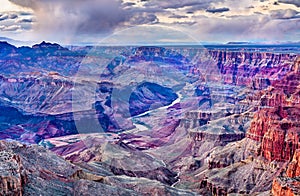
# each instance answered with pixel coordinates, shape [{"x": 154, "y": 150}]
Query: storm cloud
[
  {"x": 217, "y": 10},
  {"x": 93, "y": 19},
  {"x": 76, "y": 16},
  {"x": 6, "y": 16},
  {"x": 180, "y": 4}
]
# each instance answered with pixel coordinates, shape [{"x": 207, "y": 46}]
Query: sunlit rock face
[
  {"x": 289, "y": 182},
  {"x": 259, "y": 162},
  {"x": 276, "y": 124},
  {"x": 256, "y": 69}
]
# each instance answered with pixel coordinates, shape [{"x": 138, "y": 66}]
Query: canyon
[{"x": 148, "y": 121}]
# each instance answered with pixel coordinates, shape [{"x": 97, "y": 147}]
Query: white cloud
[{"x": 10, "y": 28}]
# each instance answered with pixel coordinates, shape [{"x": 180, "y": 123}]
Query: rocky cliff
[
  {"x": 255, "y": 69},
  {"x": 260, "y": 162},
  {"x": 12, "y": 176},
  {"x": 289, "y": 182},
  {"x": 276, "y": 124},
  {"x": 34, "y": 170}
]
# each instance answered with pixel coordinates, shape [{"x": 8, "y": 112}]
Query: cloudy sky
[{"x": 170, "y": 21}]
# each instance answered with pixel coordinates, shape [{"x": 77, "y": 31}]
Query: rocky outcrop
[
  {"x": 289, "y": 183},
  {"x": 293, "y": 169},
  {"x": 12, "y": 173},
  {"x": 235, "y": 169},
  {"x": 145, "y": 186},
  {"x": 254, "y": 69},
  {"x": 276, "y": 124},
  {"x": 90, "y": 188},
  {"x": 221, "y": 128},
  {"x": 242, "y": 168},
  {"x": 120, "y": 159},
  {"x": 221, "y": 137},
  {"x": 232, "y": 153},
  {"x": 286, "y": 186},
  {"x": 245, "y": 177},
  {"x": 34, "y": 170}
]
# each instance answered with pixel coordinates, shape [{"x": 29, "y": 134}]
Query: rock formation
[
  {"x": 272, "y": 141},
  {"x": 12, "y": 173},
  {"x": 289, "y": 183},
  {"x": 34, "y": 170},
  {"x": 276, "y": 124},
  {"x": 255, "y": 69}
]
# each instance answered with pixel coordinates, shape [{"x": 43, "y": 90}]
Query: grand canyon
[{"x": 149, "y": 120}]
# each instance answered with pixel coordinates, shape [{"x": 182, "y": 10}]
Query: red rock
[
  {"x": 289, "y": 184},
  {"x": 277, "y": 123},
  {"x": 294, "y": 166},
  {"x": 285, "y": 187},
  {"x": 255, "y": 69}
]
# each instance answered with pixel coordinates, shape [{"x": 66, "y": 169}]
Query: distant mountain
[
  {"x": 264, "y": 43},
  {"x": 238, "y": 43},
  {"x": 44, "y": 57}
]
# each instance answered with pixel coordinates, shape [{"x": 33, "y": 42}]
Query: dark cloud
[
  {"x": 3, "y": 17},
  {"x": 217, "y": 10},
  {"x": 76, "y": 16},
  {"x": 13, "y": 16},
  {"x": 178, "y": 16},
  {"x": 180, "y": 4},
  {"x": 25, "y": 14},
  {"x": 202, "y": 6},
  {"x": 143, "y": 18},
  {"x": 65, "y": 18},
  {"x": 25, "y": 20},
  {"x": 294, "y": 2},
  {"x": 185, "y": 23},
  {"x": 6, "y": 16},
  {"x": 128, "y": 4},
  {"x": 258, "y": 13}
]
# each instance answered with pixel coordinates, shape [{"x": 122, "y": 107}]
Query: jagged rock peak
[{"x": 48, "y": 45}]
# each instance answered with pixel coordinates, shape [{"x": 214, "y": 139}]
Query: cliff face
[
  {"x": 12, "y": 175},
  {"x": 254, "y": 69},
  {"x": 293, "y": 169},
  {"x": 276, "y": 124},
  {"x": 254, "y": 164},
  {"x": 289, "y": 183}
]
